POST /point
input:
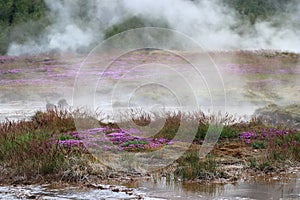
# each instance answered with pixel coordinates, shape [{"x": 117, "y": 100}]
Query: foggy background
[{"x": 79, "y": 26}]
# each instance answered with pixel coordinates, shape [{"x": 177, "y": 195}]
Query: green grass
[
  {"x": 28, "y": 146},
  {"x": 192, "y": 167},
  {"x": 259, "y": 145},
  {"x": 64, "y": 136}
]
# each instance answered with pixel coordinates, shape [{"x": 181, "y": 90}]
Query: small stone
[{"x": 115, "y": 190}]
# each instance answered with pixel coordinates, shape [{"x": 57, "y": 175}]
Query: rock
[
  {"x": 62, "y": 104},
  {"x": 115, "y": 190},
  {"x": 50, "y": 107},
  {"x": 284, "y": 115},
  {"x": 98, "y": 186}
]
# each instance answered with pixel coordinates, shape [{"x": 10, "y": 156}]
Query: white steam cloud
[{"x": 209, "y": 22}]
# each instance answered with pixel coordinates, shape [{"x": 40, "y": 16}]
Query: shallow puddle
[
  {"x": 265, "y": 190},
  {"x": 161, "y": 189}
]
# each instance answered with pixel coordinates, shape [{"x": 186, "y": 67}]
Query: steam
[{"x": 80, "y": 25}]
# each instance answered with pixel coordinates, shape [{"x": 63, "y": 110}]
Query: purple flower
[
  {"x": 69, "y": 143},
  {"x": 170, "y": 142},
  {"x": 264, "y": 134},
  {"x": 116, "y": 134},
  {"x": 247, "y": 135}
]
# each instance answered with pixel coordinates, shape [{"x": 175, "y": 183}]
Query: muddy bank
[{"x": 233, "y": 162}]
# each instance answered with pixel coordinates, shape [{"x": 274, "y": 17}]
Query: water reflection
[{"x": 164, "y": 188}]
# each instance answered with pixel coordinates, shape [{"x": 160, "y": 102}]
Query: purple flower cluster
[
  {"x": 10, "y": 71},
  {"x": 68, "y": 139},
  {"x": 7, "y": 58},
  {"x": 272, "y": 132},
  {"x": 248, "y": 136},
  {"x": 111, "y": 139},
  {"x": 25, "y": 81},
  {"x": 121, "y": 137},
  {"x": 126, "y": 141},
  {"x": 264, "y": 134}
]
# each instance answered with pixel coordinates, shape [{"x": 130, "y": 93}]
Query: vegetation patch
[{"x": 48, "y": 145}]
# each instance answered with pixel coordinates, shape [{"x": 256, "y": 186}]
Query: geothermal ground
[{"x": 248, "y": 150}]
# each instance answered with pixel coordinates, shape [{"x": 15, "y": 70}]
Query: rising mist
[{"x": 78, "y": 26}]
